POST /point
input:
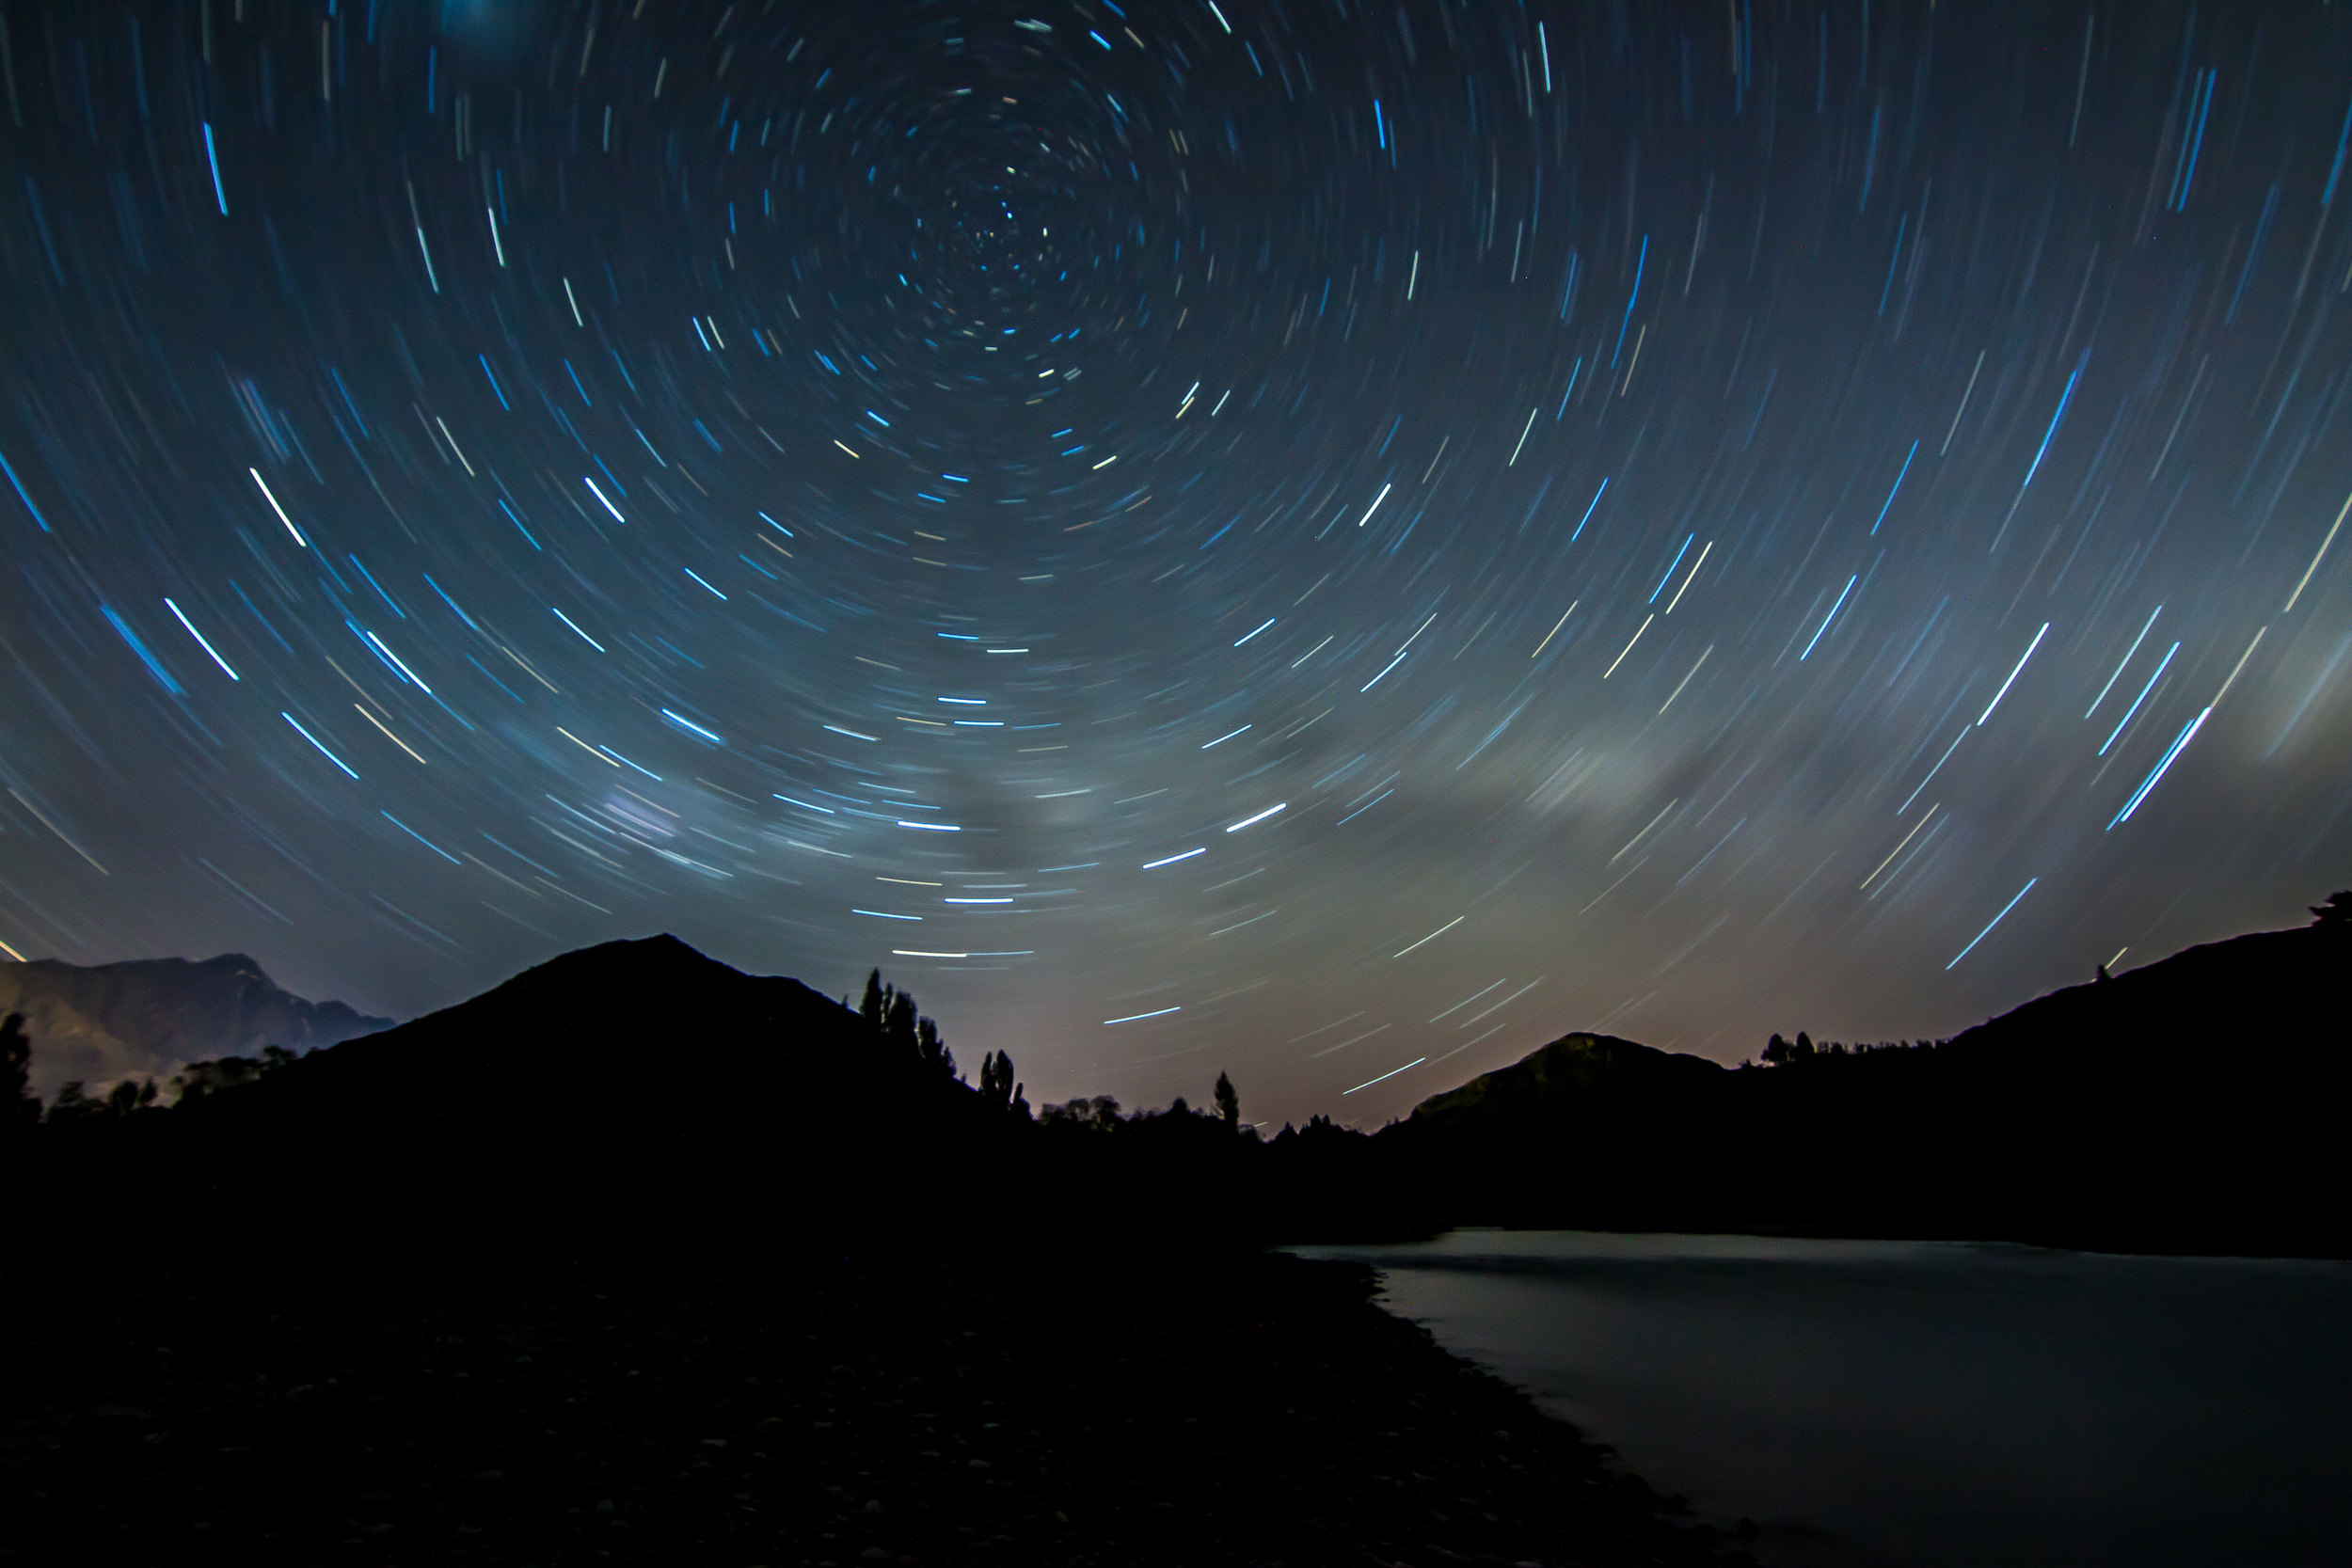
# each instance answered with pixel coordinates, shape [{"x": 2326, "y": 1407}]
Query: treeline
[
  {"x": 640, "y": 1091},
  {"x": 905, "y": 1042},
  {"x": 1779, "y": 1051},
  {"x": 21, "y": 1109},
  {"x": 1100, "y": 1113},
  {"x": 1149, "y": 1144},
  {"x": 890, "y": 1017}
]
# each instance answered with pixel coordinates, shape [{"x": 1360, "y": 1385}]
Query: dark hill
[
  {"x": 632, "y": 1095},
  {"x": 2193, "y": 1104},
  {"x": 98, "y": 1023},
  {"x": 639, "y": 1031},
  {"x": 640, "y": 1096},
  {"x": 2280, "y": 987},
  {"x": 2194, "y": 1101},
  {"x": 1569, "y": 1078},
  {"x": 638, "y": 1259}
]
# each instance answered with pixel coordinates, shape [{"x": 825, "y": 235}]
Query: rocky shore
[{"x": 1087, "y": 1407}]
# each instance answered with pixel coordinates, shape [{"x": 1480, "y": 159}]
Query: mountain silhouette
[
  {"x": 2192, "y": 1104},
  {"x": 639, "y": 1096},
  {"x": 1563, "y": 1079},
  {"x": 100, "y": 1023},
  {"x": 634, "y": 1031},
  {"x": 638, "y": 1257},
  {"x": 636, "y": 1094}
]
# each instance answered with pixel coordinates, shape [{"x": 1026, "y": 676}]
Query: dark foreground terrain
[{"x": 1091, "y": 1409}]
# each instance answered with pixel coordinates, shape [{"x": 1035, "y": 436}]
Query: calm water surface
[{"x": 1928, "y": 1403}]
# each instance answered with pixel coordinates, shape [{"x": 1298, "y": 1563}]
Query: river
[{"x": 1927, "y": 1404}]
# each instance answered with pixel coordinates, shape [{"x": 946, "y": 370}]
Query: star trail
[{"x": 1332, "y": 541}]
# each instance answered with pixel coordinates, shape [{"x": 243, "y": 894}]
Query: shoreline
[{"x": 1115, "y": 1405}]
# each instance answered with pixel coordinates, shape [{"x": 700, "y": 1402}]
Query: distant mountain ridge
[
  {"x": 99, "y": 1023},
  {"x": 1552, "y": 1077}
]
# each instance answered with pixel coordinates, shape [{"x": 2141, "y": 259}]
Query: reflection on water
[{"x": 1928, "y": 1403}]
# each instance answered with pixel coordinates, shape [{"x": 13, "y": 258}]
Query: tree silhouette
[
  {"x": 898, "y": 1027},
  {"x": 19, "y": 1110},
  {"x": 909, "y": 1039},
  {"x": 997, "y": 1088},
  {"x": 1099, "y": 1114},
  {"x": 198, "y": 1080},
  {"x": 74, "y": 1104},
  {"x": 1779, "y": 1053},
  {"x": 932, "y": 1049},
  {"x": 2336, "y": 912},
  {"x": 1228, "y": 1101}
]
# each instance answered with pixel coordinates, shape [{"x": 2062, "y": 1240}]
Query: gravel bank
[{"x": 1102, "y": 1408}]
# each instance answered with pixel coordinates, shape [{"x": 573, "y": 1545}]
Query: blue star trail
[{"x": 1233, "y": 515}]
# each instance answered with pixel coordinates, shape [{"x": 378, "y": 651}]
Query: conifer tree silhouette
[
  {"x": 870, "y": 1009},
  {"x": 1227, "y": 1102},
  {"x": 997, "y": 1088},
  {"x": 898, "y": 1027},
  {"x": 19, "y": 1110}
]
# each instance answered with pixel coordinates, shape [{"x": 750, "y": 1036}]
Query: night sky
[{"x": 1334, "y": 541}]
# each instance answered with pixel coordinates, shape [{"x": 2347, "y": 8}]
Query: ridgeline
[
  {"x": 514, "y": 1282},
  {"x": 2184, "y": 1106}
]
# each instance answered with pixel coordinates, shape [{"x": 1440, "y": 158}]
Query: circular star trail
[{"x": 1335, "y": 542}]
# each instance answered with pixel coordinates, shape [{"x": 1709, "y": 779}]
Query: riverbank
[
  {"x": 1081, "y": 1409},
  {"x": 1935, "y": 1404}
]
